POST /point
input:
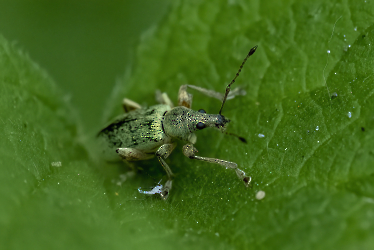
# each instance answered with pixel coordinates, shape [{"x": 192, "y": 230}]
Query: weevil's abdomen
[{"x": 140, "y": 129}]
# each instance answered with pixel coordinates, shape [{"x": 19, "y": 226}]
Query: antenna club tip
[{"x": 252, "y": 50}]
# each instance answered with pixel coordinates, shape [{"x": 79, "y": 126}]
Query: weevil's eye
[
  {"x": 200, "y": 125},
  {"x": 202, "y": 111}
]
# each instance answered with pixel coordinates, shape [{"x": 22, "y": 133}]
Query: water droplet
[
  {"x": 328, "y": 51},
  {"x": 349, "y": 114},
  {"x": 317, "y": 128},
  {"x": 261, "y": 135},
  {"x": 260, "y": 195}
]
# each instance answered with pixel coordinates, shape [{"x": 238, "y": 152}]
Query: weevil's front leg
[
  {"x": 163, "y": 98},
  {"x": 189, "y": 150},
  {"x": 162, "y": 153},
  {"x": 129, "y": 105},
  {"x": 185, "y": 98}
]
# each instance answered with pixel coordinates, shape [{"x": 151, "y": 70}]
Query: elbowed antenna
[{"x": 237, "y": 74}]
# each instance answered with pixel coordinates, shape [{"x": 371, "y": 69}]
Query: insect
[
  {"x": 142, "y": 133},
  {"x": 156, "y": 190}
]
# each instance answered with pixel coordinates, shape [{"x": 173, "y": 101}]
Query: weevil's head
[{"x": 181, "y": 122}]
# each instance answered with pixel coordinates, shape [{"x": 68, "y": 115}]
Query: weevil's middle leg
[
  {"x": 185, "y": 98},
  {"x": 162, "y": 153},
  {"x": 189, "y": 150}
]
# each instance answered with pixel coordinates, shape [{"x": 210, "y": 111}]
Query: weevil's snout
[
  {"x": 213, "y": 121},
  {"x": 222, "y": 123}
]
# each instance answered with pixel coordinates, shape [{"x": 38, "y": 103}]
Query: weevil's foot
[
  {"x": 244, "y": 177},
  {"x": 166, "y": 190},
  {"x": 235, "y": 92}
]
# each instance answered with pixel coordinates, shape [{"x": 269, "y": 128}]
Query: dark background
[{"x": 83, "y": 45}]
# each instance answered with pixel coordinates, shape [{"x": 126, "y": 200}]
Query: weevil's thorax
[{"x": 182, "y": 122}]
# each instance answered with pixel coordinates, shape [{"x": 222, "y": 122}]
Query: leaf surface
[{"x": 307, "y": 117}]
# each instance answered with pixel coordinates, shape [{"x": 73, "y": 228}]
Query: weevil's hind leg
[
  {"x": 129, "y": 105},
  {"x": 131, "y": 154},
  {"x": 189, "y": 150},
  {"x": 163, "y": 98},
  {"x": 185, "y": 98},
  {"x": 162, "y": 153}
]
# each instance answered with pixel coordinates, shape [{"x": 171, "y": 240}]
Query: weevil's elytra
[{"x": 142, "y": 133}]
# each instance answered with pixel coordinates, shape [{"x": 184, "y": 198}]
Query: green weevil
[{"x": 142, "y": 133}]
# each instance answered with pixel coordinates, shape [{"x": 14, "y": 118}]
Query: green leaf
[{"x": 309, "y": 92}]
